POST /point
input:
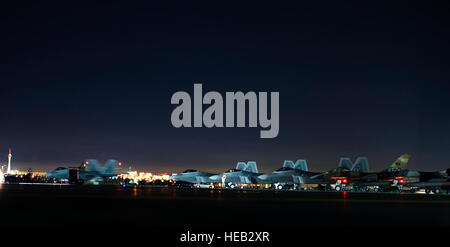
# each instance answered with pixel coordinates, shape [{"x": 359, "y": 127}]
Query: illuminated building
[{"x": 9, "y": 162}]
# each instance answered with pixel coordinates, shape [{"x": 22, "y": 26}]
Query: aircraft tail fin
[
  {"x": 251, "y": 167},
  {"x": 401, "y": 162},
  {"x": 288, "y": 163},
  {"x": 301, "y": 165},
  {"x": 444, "y": 173},
  {"x": 111, "y": 167},
  {"x": 241, "y": 166},
  {"x": 92, "y": 165},
  {"x": 345, "y": 163},
  {"x": 361, "y": 165}
]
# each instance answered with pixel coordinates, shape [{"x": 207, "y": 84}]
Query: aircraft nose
[{"x": 174, "y": 177}]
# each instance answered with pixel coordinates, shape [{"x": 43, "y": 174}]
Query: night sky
[{"x": 95, "y": 81}]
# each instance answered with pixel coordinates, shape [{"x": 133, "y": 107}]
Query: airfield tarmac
[{"x": 54, "y": 205}]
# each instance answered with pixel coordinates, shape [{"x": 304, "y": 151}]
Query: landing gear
[
  {"x": 338, "y": 188},
  {"x": 278, "y": 186},
  {"x": 395, "y": 189}
]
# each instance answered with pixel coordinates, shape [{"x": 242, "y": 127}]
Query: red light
[
  {"x": 120, "y": 163},
  {"x": 401, "y": 181},
  {"x": 87, "y": 162},
  {"x": 344, "y": 181}
]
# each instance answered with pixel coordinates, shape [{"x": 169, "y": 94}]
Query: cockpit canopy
[
  {"x": 233, "y": 170},
  {"x": 286, "y": 168},
  {"x": 408, "y": 173}
]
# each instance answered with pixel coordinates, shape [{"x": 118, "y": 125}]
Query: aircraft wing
[
  {"x": 245, "y": 179},
  {"x": 312, "y": 180},
  {"x": 202, "y": 179},
  {"x": 373, "y": 183},
  {"x": 298, "y": 179},
  {"x": 318, "y": 176},
  {"x": 429, "y": 184},
  {"x": 88, "y": 175}
]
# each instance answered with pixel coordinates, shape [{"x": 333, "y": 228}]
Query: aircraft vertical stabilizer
[
  {"x": 110, "y": 167},
  {"x": 345, "y": 163},
  {"x": 92, "y": 165},
  {"x": 251, "y": 167},
  {"x": 288, "y": 163},
  {"x": 241, "y": 166},
  {"x": 361, "y": 165},
  {"x": 301, "y": 165},
  {"x": 401, "y": 162}
]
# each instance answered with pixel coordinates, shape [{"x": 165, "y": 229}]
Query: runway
[{"x": 43, "y": 205}]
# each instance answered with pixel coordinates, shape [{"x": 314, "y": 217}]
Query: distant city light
[{"x": 144, "y": 176}]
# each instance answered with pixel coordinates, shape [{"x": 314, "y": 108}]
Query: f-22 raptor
[
  {"x": 192, "y": 177},
  {"x": 245, "y": 173},
  {"x": 89, "y": 171},
  {"x": 289, "y": 174}
]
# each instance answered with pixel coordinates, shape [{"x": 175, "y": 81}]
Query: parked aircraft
[
  {"x": 289, "y": 174},
  {"x": 192, "y": 176},
  {"x": 245, "y": 173},
  {"x": 340, "y": 175},
  {"x": 435, "y": 182},
  {"x": 389, "y": 178},
  {"x": 88, "y": 171}
]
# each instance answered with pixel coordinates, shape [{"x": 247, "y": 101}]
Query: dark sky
[{"x": 95, "y": 81}]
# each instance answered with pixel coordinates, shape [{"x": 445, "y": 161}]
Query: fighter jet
[
  {"x": 88, "y": 171},
  {"x": 436, "y": 186},
  {"x": 359, "y": 177},
  {"x": 289, "y": 174},
  {"x": 387, "y": 179},
  {"x": 245, "y": 173},
  {"x": 339, "y": 176},
  {"x": 413, "y": 180},
  {"x": 193, "y": 177}
]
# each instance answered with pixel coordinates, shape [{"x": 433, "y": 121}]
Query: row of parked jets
[{"x": 354, "y": 176}]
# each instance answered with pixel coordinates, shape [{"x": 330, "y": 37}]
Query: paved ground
[{"x": 44, "y": 205}]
